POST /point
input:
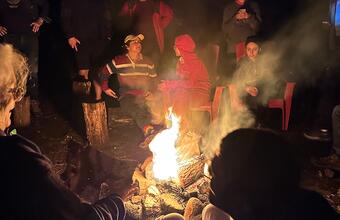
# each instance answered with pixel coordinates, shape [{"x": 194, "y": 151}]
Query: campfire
[
  {"x": 173, "y": 179},
  {"x": 163, "y": 148}
]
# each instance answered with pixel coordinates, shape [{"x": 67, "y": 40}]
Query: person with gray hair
[{"x": 31, "y": 189}]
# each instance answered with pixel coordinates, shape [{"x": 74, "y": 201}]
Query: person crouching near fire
[
  {"x": 32, "y": 190},
  {"x": 255, "y": 176},
  {"x": 135, "y": 76},
  {"x": 192, "y": 88}
]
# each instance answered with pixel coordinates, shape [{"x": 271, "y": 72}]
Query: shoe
[
  {"x": 148, "y": 130},
  {"x": 318, "y": 135},
  {"x": 332, "y": 162}
]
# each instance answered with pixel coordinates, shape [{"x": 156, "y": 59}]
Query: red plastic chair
[
  {"x": 213, "y": 107},
  {"x": 284, "y": 104}
]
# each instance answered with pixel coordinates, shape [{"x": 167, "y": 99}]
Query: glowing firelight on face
[{"x": 163, "y": 147}]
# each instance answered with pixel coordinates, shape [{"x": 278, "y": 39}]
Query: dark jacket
[
  {"x": 31, "y": 190},
  {"x": 237, "y": 31},
  {"x": 86, "y": 19},
  {"x": 17, "y": 18},
  {"x": 301, "y": 204}
]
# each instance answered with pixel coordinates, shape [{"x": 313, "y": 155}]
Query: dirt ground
[{"x": 111, "y": 170}]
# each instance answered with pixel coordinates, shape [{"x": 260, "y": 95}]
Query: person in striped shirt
[{"x": 135, "y": 77}]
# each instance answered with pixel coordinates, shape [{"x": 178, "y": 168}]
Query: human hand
[
  {"x": 239, "y": 16},
  {"x": 242, "y": 14},
  {"x": 3, "y": 31},
  {"x": 36, "y": 25},
  {"x": 72, "y": 41},
  {"x": 245, "y": 15},
  {"x": 111, "y": 93},
  {"x": 252, "y": 90}
]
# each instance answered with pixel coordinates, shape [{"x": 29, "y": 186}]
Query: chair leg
[
  {"x": 287, "y": 117},
  {"x": 283, "y": 120}
]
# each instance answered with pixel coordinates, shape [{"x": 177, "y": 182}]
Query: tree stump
[
  {"x": 96, "y": 123},
  {"x": 22, "y": 113}
]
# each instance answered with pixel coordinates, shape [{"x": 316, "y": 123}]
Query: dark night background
[
  {"x": 295, "y": 25},
  {"x": 300, "y": 39}
]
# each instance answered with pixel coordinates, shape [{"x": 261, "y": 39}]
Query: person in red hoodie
[{"x": 192, "y": 88}]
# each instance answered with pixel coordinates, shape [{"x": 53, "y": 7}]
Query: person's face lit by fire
[
  {"x": 8, "y": 112},
  {"x": 252, "y": 50},
  {"x": 134, "y": 46}
]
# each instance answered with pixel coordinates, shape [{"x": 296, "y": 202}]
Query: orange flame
[{"x": 163, "y": 147}]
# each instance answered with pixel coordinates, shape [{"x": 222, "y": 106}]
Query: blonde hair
[{"x": 13, "y": 74}]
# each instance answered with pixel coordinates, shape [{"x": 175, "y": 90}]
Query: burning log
[
  {"x": 152, "y": 205},
  {"x": 201, "y": 188},
  {"x": 96, "y": 123},
  {"x": 188, "y": 146},
  {"x": 171, "y": 203},
  {"x": 135, "y": 211},
  {"x": 143, "y": 182},
  {"x": 22, "y": 114},
  {"x": 193, "y": 208},
  {"x": 191, "y": 171}
]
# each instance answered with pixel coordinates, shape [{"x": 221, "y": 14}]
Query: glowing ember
[{"x": 163, "y": 147}]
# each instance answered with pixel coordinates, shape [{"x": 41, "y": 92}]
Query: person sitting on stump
[
  {"x": 135, "y": 74},
  {"x": 255, "y": 176},
  {"x": 30, "y": 183}
]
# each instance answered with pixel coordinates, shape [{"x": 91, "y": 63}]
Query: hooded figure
[
  {"x": 255, "y": 176},
  {"x": 192, "y": 88}
]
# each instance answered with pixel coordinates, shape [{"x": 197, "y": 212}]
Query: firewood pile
[{"x": 187, "y": 195}]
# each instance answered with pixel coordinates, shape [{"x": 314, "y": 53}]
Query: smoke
[{"x": 297, "y": 52}]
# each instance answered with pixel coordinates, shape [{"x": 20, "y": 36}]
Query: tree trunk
[
  {"x": 96, "y": 123},
  {"x": 22, "y": 114}
]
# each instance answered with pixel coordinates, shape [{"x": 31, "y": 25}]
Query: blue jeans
[{"x": 336, "y": 129}]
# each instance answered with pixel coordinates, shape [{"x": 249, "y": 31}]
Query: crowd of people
[
  {"x": 132, "y": 78},
  {"x": 147, "y": 19}
]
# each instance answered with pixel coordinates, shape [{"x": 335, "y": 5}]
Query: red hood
[
  {"x": 185, "y": 44},
  {"x": 191, "y": 67}
]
